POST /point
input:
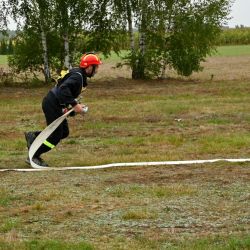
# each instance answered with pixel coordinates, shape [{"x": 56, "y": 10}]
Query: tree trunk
[
  {"x": 45, "y": 57},
  {"x": 130, "y": 27},
  {"x": 131, "y": 38},
  {"x": 66, "y": 50},
  {"x": 168, "y": 31},
  {"x": 139, "y": 66},
  {"x": 163, "y": 69}
]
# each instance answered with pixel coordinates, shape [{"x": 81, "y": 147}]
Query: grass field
[
  {"x": 188, "y": 207},
  {"x": 3, "y": 60},
  {"x": 168, "y": 207},
  {"x": 242, "y": 50}
]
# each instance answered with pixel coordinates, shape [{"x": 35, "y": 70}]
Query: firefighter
[{"x": 61, "y": 97}]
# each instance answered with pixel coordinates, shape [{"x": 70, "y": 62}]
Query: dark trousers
[{"x": 52, "y": 110}]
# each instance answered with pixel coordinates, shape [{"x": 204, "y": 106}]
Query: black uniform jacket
[{"x": 70, "y": 87}]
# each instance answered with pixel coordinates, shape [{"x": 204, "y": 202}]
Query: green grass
[
  {"x": 8, "y": 225},
  {"x": 3, "y": 60},
  {"x": 138, "y": 243},
  {"x": 164, "y": 207},
  {"x": 48, "y": 245},
  {"x": 233, "y": 50},
  {"x": 217, "y": 244},
  {"x": 113, "y": 57},
  {"x": 6, "y": 198},
  {"x": 140, "y": 122},
  {"x": 236, "y": 50}
]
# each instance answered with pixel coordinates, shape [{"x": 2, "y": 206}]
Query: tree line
[
  {"x": 228, "y": 36},
  {"x": 237, "y": 36},
  {"x": 160, "y": 33},
  {"x": 6, "y": 47}
]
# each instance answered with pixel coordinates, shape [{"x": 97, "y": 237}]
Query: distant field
[{"x": 237, "y": 50}]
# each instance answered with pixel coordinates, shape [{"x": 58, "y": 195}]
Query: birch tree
[
  {"x": 71, "y": 17},
  {"x": 179, "y": 34},
  {"x": 125, "y": 9},
  {"x": 36, "y": 15},
  {"x": 3, "y": 16},
  {"x": 106, "y": 27}
]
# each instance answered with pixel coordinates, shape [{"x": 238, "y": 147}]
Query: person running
[{"x": 59, "y": 98}]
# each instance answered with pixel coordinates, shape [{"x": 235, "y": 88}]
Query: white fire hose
[
  {"x": 43, "y": 136},
  {"x": 53, "y": 126},
  {"x": 128, "y": 164}
]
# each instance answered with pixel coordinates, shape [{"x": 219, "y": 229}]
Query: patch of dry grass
[
  {"x": 214, "y": 69},
  {"x": 107, "y": 208},
  {"x": 135, "y": 121}
]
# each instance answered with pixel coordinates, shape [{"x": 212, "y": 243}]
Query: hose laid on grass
[
  {"x": 128, "y": 164},
  {"x": 52, "y": 127}
]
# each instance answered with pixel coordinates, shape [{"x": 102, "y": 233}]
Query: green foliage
[
  {"x": 3, "y": 48},
  {"x": 28, "y": 52},
  {"x": 55, "y": 50},
  {"x": 69, "y": 29},
  {"x": 144, "y": 66},
  {"x": 191, "y": 40},
  {"x": 193, "y": 36},
  {"x": 6, "y": 47},
  {"x": 237, "y": 36},
  {"x": 175, "y": 33},
  {"x": 10, "y": 47},
  {"x": 179, "y": 34}
]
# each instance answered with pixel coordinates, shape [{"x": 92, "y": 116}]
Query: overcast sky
[{"x": 240, "y": 14}]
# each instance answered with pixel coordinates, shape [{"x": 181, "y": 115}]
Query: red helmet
[{"x": 89, "y": 59}]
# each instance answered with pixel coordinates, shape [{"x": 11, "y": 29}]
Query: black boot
[
  {"x": 30, "y": 137},
  {"x": 38, "y": 160}
]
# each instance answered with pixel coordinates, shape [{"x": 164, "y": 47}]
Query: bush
[{"x": 6, "y": 77}]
